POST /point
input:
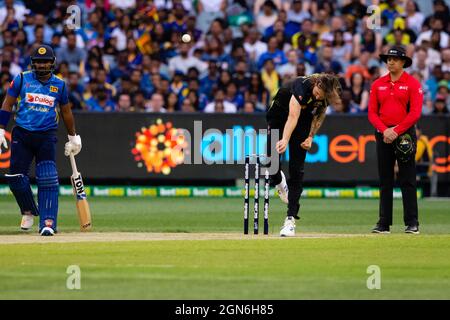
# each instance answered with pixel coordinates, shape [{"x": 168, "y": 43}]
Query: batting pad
[
  {"x": 48, "y": 189},
  {"x": 20, "y": 187}
]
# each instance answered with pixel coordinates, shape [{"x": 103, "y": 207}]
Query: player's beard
[{"x": 42, "y": 72}]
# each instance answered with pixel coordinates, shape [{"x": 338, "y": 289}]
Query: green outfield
[{"x": 192, "y": 248}]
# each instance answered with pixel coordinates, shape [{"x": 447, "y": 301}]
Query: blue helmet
[{"x": 43, "y": 53}]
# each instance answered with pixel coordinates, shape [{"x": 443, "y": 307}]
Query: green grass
[{"x": 412, "y": 267}]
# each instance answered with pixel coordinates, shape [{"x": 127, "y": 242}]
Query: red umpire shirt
[{"x": 395, "y": 104}]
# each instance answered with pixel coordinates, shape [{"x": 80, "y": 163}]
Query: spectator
[
  {"x": 224, "y": 79},
  {"x": 437, "y": 26},
  {"x": 355, "y": 8},
  {"x": 273, "y": 53},
  {"x": 178, "y": 23},
  {"x": 253, "y": 46},
  {"x": 124, "y": 103},
  {"x": 241, "y": 76},
  {"x": 219, "y": 104},
  {"x": 156, "y": 103},
  {"x": 446, "y": 60},
  {"x": 270, "y": 78},
  {"x": 123, "y": 4},
  {"x": 102, "y": 78},
  {"x": 120, "y": 33},
  {"x": 18, "y": 9},
  {"x": 267, "y": 16},
  {"x": 257, "y": 88},
  {"x": 183, "y": 61},
  {"x": 100, "y": 102},
  {"x": 186, "y": 106},
  {"x": 327, "y": 64},
  {"x": 342, "y": 51},
  {"x": 75, "y": 92},
  {"x": 208, "y": 82},
  {"x": 139, "y": 102},
  {"x": 172, "y": 103},
  {"x": 191, "y": 28},
  {"x": 178, "y": 83},
  {"x": 297, "y": 13},
  {"x": 414, "y": 18},
  {"x": 232, "y": 95},
  {"x": 359, "y": 90},
  {"x": 420, "y": 63},
  {"x": 361, "y": 66},
  {"x": 441, "y": 12},
  {"x": 249, "y": 107},
  {"x": 39, "y": 22},
  {"x": 347, "y": 105},
  {"x": 74, "y": 56},
  {"x": 440, "y": 107}
]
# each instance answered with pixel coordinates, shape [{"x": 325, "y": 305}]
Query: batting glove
[
  {"x": 73, "y": 146},
  {"x": 2, "y": 140}
]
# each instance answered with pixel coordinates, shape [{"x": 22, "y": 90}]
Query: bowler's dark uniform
[{"x": 301, "y": 88}]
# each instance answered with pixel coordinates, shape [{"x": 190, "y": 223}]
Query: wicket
[{"x": 256, "y": 196}]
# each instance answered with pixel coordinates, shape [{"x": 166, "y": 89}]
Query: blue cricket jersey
[{"x": 37, "y": 101}]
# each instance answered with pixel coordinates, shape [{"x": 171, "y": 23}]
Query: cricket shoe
[
  {"x": 27, "y": 222},
  {"x": 379, "y": 228},
  {"x": 47, "y": 231},
  {"x": 283, "y": 189},
  {"x": 288, "y": 230},
  {"x": 412, "y": 229}
]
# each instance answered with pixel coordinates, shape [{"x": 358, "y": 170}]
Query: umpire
[{"x": 395, "y": 106}]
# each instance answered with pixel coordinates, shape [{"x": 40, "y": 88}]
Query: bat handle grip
[{"x": 73, "y": 163}]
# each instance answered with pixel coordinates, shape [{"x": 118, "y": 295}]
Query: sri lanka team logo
[{"x": 159, "y": 147}]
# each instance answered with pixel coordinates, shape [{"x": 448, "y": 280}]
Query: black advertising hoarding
[{"x": 139, "y": 146}]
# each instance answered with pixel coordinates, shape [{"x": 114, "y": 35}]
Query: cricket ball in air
[{"x": 186, "y": 38}]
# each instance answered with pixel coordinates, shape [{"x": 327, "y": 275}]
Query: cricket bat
[{"x": 84, "y": 213}]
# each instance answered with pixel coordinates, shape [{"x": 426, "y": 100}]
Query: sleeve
[
  {"x": 415, "y": 108},
  {"x": 300, "y": 90},
  {"x": 64, "y": 99},
  {"x": 373, "y": 110},
  {"x": 14, "y": 86}
]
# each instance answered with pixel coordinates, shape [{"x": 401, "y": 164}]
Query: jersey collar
[
  {"x": 403, "y": 78},
  {"x": 46, "y": 82}
]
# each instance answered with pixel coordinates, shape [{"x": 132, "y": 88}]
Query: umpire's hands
[
  {"x": 389, "y": 135},
  {"x": 307, "y": 144},
  {"x": 73, "y": 146},
  {"x": 282, "y": 145},
  {"x": 2, "y": 140}
]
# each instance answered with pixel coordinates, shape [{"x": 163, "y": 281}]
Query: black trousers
[
  {"x": 297, "y": 155},
  {"x": 406, "y": 177}
]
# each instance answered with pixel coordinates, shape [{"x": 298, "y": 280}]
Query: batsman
[
  {"x": 298, "y": 111},
  {"x": 38, "y": 93}
]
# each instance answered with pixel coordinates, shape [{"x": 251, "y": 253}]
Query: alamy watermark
[
  {"x": 216, "y": 147},
  {"x": 374, "y": 280},
  {"x": 374, "y": 20},
  {"x": 73, "y": 22},
  {"x": 73, "y": 281}
]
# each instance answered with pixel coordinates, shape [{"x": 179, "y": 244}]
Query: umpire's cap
[
  {"x": 43, "y": 52},
  {"x": 397, "y": 51}
]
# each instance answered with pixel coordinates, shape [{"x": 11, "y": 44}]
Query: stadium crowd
[{"x": 223, "y": 55}]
